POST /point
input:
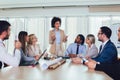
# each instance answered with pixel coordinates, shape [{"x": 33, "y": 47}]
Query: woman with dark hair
[
  {"x": 25, "y": 59},
  {"x": 77, "y": 48},
  {"x": 56, "y": 37}
]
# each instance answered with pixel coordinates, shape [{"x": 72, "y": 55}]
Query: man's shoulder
[
  {"x": 72, "y": 44},
  {"x": 110, "y": 44}
]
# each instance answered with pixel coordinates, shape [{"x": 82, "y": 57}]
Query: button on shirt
[
  {"x": 7, "y": 58},
  {"x": 73, "y": 47}
]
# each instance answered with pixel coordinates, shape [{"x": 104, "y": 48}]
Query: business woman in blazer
[
  {"x": 56, "y": 37},
  {"x": 92, "y": 50}
]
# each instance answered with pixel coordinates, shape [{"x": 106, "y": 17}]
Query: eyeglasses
[{"x": 100, "y": 33}]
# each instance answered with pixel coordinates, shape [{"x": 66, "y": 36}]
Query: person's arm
[
  {"x": 108, "y": 55},
  {"x": 64, "y": 37},
  {"x": 26, "y": 58},
  {"x": 9, "y": 59},
  {"x": 51, "y": 37},
  {"x": 68, "y": 50}
]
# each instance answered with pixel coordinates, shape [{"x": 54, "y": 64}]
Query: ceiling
[{"x": 54, "y": 3}]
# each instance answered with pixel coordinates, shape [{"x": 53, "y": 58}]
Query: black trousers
[{"x": 5, "y": 65}]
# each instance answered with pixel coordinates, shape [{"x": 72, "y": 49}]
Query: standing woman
[{"x": 56, "y": 37}]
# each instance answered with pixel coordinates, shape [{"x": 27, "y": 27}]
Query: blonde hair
[
  {"x": 91, "y": 37},
  {"x": 31, "y": 37}
]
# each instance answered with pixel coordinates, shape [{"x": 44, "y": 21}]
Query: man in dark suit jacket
[
  {"x": 108, "y": 53},
  {"x": 112, "y": 69}
]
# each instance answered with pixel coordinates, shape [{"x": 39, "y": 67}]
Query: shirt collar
[
  {"x": 1, "y": 40},
  {"x": 56, "y": 30},
  {"x": 77, "y": 44},
  {"x": 91, "y": 46},
  {"x": 105, "y": 42}
]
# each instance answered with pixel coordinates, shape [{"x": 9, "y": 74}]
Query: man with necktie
[
  {"x": 6, "y": 58},
  {"x": 77, "y": 48}
]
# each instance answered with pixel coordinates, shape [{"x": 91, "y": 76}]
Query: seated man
[
  {"x": 6, "y": 58},
  {"x": 112, "y": 69},
  {"x": 76, "y": 48},
  {"x": 108, "y": 51}
]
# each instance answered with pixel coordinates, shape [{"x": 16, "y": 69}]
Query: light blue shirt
[
  {"x": 72, "y": 48},
  {"x": 57, "y": 34}
]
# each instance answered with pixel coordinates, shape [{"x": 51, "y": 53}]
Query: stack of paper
[{"x": 45, "y": 65}]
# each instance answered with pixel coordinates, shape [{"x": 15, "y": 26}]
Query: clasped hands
[{"x": 91, "y": 64}]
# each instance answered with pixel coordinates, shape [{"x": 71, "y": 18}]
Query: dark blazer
[
  {"x": 108, "y": 54},
  {"x": 113, "y": 70}
]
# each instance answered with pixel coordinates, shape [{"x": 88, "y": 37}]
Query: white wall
[{"x": 75, "y": 19}]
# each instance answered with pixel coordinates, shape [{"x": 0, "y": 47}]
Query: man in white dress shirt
[{"x": 6, "y": 58}]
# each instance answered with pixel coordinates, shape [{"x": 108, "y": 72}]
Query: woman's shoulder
[
  {"x": 37, "y": 44},
  {"x": 51, "y": 30},
  {"x": 61, "y": 30}
]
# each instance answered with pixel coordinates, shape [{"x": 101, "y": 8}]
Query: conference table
[{"x": 67, "y": 71}]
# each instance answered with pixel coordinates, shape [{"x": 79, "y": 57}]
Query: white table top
[{"x": 67, "y": 71}]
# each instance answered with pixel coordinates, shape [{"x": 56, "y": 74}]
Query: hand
[
  {"x": 72, "y": 55},
  {"x": 18, "y": 45},
  {"x": 66, "y": 38},
  {"x": 76, "y": 60},
  {"x": 53, "y": 37},
  {"x": 91, "y": 64},
  {"x": 37, "y": 57},
  {"x": 87, "y": 57}
]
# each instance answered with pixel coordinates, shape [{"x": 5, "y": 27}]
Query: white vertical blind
[{"x": 72, "y": 25}]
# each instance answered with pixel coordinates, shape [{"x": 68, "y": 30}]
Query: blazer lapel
[{"x": 103, "y": 48}]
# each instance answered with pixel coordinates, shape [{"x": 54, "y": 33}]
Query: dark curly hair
[{"x": 54, "y": 20}]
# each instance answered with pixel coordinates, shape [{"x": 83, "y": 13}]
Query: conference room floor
[{"x": 67, "y": 71}]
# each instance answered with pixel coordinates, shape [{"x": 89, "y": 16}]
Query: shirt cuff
[{"x": 82, "y": 61}]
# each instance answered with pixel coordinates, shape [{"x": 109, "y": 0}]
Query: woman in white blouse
[{"x": 33, "y": 48}]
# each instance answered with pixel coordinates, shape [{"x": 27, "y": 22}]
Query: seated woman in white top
[
  {"x": 33, "y": 48},
  {"x": 92, "y": 50}
]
